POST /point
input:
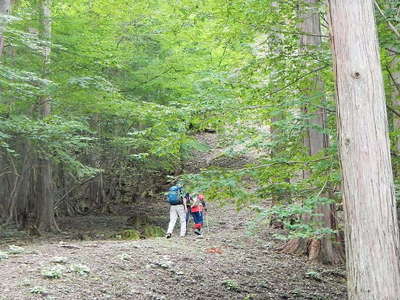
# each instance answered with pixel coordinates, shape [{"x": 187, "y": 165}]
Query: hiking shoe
[
  {"x": 168, "y": 236},
  {"x": 197, "y": 231}
]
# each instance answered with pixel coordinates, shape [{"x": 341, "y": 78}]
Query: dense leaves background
[{"x": 131, "y": 81}]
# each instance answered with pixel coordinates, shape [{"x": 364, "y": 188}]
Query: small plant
[
  {"x": 130, "y": 234},
  {"x": 231, "y": 285},
  {"x": 3, "y": 255},
  {"x": 80, "y": 269},
  {"x": 25, "y": 283},
  {"x": 59, "y": 260},
  {"x": 53, "y": 273},
  {"x": 12, "y": 249},
  {"x": 38, "y": 290},
  {"x": 250, "y": 297},
  {"x": 314, "y": 275},
  {"x": 124, "y": 256}
]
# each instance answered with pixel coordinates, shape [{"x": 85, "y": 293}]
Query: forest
[{"x": 284, "y": 114}]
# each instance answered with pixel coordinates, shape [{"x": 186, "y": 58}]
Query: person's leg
[
  {"x": 200, "y": 219},
  {"x": 198, "y": 222},
  {"x": 182, "y": 218},
  {"x": 187, "y": 216},
  {"x": 173, "y": 216}
]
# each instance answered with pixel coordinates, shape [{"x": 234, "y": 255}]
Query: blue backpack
[{"x": 174, "y": 195}]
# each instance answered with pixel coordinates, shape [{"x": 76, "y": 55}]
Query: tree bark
[
  {"x": 5, "y": 7},
  {"x": 327, "y": 249},
  {"x": 371, "y": 232},
  {"x": 46, "y": 219}
]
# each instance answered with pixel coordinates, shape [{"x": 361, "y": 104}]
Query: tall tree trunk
[
  {"x": 372, "y": 237},
  {"x": 327, "y": 249},
  {"x": 5, "y": 7},
  {"x": 46, "y": 219}
]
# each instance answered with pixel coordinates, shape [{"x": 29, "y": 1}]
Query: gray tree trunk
[
  {"x": 46, "y": 219},
  {"x": 372, "y": 237},
  {"x": 5, "y": 7},
  {"x": 328, "y": 249}
]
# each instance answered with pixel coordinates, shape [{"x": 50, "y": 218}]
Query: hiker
[
  {"x": 177, "y": 209},
  {"x": 197, "y": 210},
  {"x": 189, "y": 201}
]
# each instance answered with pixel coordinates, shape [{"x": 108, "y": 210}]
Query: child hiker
[{"x": 197, "y": 209}]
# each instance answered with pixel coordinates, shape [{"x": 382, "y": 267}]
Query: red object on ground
[{"x": 214, "y": 250}]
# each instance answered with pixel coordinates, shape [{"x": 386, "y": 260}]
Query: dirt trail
[{"x": 226, "y": 264}]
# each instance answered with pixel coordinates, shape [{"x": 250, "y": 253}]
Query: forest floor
[
  {"x": 88, "y": 261},
  {"x": 227, "y": 263}
]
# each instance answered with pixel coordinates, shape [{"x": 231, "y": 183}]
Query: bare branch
[{"x": 297, "y": 80}]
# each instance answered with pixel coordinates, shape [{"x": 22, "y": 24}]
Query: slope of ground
[{"x": 226, "y": 263}]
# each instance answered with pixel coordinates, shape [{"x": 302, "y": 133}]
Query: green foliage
[
  {"x": 130, "y": 234},
  {"x": 290, "y": 216},
  {"x": 38, "y": 290},
  {"x": 54, "y": 139},
  {"x": 13, "y": 249},
  {"x": 314, "y": 275},
  {"x": 153, "y": 231},
  {"x": 53, "y": 272},
  {"x": 231, "y": 285},
  {"x": 3, "y": 255},
  {"x": 59, "y": 260},
  {"x": 80, "y": 269},
  {"x": 131, "y": 81}
]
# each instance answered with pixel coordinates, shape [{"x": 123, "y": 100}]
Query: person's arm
[
  {"x": 203, "y": 203},
  {"x": 184, "y": 204},
  {"x": 195, "y": 201}
]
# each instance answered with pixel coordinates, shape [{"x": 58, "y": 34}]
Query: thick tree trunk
[
  {"x": 327, "y": 249},
  {"x": 16, "y": 195},
  {"x": 46, "y": 219},
  {"x": 372, "y": 237}
]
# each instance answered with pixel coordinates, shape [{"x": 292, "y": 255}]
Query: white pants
[{"x": 174, "y": 212}]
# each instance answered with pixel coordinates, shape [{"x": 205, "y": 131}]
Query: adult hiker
[
  {"x": 177, "y": 209},
  {"x": 197, "y": 209}
]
